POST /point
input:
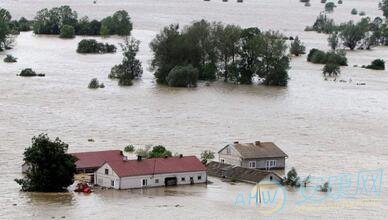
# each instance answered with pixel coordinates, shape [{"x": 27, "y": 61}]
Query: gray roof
[
  {"x": 259, "y": 150},
  {"x": 222, "y": 170}
]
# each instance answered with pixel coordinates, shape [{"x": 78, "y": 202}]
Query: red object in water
[{"x": 83, "y": 187}]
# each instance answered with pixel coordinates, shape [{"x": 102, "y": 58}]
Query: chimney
[
  {"x": 236, "y": 142},
  {"x": 165, "y": 156},
  {"x": 138, "y": 158},
  {"x": 257, "y": 143},
  {"x": 180, "y": 155}
]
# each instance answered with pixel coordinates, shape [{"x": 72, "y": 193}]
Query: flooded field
[{"x": 325, "y": 127}]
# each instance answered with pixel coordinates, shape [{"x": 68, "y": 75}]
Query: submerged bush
[
  {"x": 362, "y": 13},
  {"x": 329, "y": 7},
  {"x": 321, "y": 57},
  {"x": 67, "y": 31},
  {"x": 92, "y": 46},
  {"x": 297, "y": 47},
  {"x": 182, "y": 76},
  {"x": 10, "y": 59},
  {"x": 354, "y": 11},
  {"x": 331, "y": 69},
  {"x": 377, "y": 64},
  {"x": 28, "y": 72},
  {"x": 95, "y": 84}
]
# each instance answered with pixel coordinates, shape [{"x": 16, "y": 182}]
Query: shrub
[
  {"x": 94, "y": 84},
  {"x": 354, "y": 11},
  {"x": 331, "y": 69},
  {"x": 10, "y": 59},
  {"x": 27, "y": 73},
  {"x": 92, "y": 46},
  {"x": 362, "y": 13},
  {"x": 297, "y": 48},
  {"x": 307, "y": 4},
  {"x": 292, "y": 178},
  {"x": 340, "y": 2},
  {"x": 377, "y": 64},
  {"x": 321, "y": 57},
  {"x": 329, "y": 7},
  {"x": 125, "y": 81},
  {"x": 182, "y": 76},
  {"x": 129, "y": 148},
  {"x": 323, "y": 24},
  {"x": 323, "y": 1},
  {"x": 206, "y": 156},
  {"x": 67, "y": 31}
]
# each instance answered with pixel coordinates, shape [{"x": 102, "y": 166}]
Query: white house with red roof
[{"x": 128, "y": 174}]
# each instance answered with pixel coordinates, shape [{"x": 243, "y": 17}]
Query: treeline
[
  {"x": 209, "y": 51},
  {"x": 51, "y": 21},
  {"x": 364, "y": 34}
]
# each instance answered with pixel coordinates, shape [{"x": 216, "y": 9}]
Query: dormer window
[{"x": 106, "y": 171}]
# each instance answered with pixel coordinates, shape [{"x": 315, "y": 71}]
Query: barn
[{"x": 154, "y": 172}]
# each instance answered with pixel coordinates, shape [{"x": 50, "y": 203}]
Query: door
[{"x": 170, "y": 181}]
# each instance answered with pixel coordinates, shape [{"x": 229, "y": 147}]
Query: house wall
[
  {"x": 101, "y": 179},
  {"x": 261, "y": 163},
  {"x": 131, "y": 182},
  {"x": 234, "y": 158}
]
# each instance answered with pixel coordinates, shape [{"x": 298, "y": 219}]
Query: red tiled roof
[
  {"x": 95, "y": 159},
  {"x": 156, "y": 166}
]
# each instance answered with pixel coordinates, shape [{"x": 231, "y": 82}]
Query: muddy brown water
[{"x": 325, "y": 127}]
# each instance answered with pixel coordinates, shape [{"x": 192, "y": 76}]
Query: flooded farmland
[{"x": 326, "y": 127}]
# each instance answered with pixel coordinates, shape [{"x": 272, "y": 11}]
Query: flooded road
[{"x": 325, "y": 127}]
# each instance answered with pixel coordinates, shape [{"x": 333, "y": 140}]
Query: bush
[
  {"x": 362, "y": 13},
  {"x": 28, "y": 73},
  {"x": 354, "y": 11},
  {"x": 92, "y": 46},
  {"x": 10, "y": 59},
  {"x": 321, "y": 57},
  {"x": 377, "y": 64},
  {"x": 297, "y": 48},
  {"x": 323, "y": 24},
  {"x": 67, "y": 31},
  {"x": 94, "y": 84},
  {"x": 323, "y": 1},
  {"x": 340, "y": 2},
  {"x": 331, "y": 69},
  {"x": 182, "y": 76},
  {"x": 129, "y": 148},
  {"x": 329, "y": 7}
]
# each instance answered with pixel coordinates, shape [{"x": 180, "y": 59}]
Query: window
[
  {"x": 228, "y": 151},
  {"x": 183, "y": 179},
  {"x": 252, "y": 164},
  {"x": 156, "y": 180},
  {"x": 199, "y": 177},
  {"x": 144, "y": 182},
  {"x": 270, "y": 163},
  {"x": 112, "y": 183},
  {"x": 106, "y": 171}
]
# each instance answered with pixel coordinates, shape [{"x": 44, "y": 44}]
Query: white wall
[
  {"x": 234, "y": 158},
  {"x": 102, "y": 179}
]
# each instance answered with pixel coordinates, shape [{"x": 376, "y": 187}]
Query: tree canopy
[
  {"x": 51, "y": 169},
  {"x": 5, "y": 31},
  {"x": 226, "y": 52}
]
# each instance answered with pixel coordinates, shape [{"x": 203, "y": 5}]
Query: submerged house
[
  {"x": 141, "y": 173},
  {"x": 258, "y": 155}
]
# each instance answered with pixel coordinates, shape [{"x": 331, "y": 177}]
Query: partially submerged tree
[
  {"x": 159, "y": 151},
  {"x": 10, "y": 59},
  {"x": 352, "y": 34},
  {"x": 378, "y": 64},
  {"x": 292, "y": 178},
  {"x": 5, "y": 31},
  {"x": 129, "y": 148},
  {"x": 51, "y": 169},
  {"x": 67, "y": 31},
  {"x": 384, "y": 7},
  {"x": 329, "y": 7},
  {"x": 206, "y": 156},
  {"x": 297, "y": 47},
  {"x": 333, "y": 41},
  {"x": 331, "y": 69},
  {"x": 182, "y": 76}
]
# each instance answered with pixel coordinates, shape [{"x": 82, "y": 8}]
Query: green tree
[
  {"x": 352, "y": 34},
  {"x": 183, "y": 76},
  {"x": 122, "y": 23},
  {"x": 5, "y": 18},
  {"x": 292, "y": 178},
  {"x": 384, "y": 7},
  {"x": 51, "y": 21},
  {"x": 297, "y": 48},
  {"x": 331, "y": 69},
  {"x": 378, "y": 64},
  {"x": 159, "y": 151},
  {"x": 67, "y": 31},
  {"x": 51, "y": 169},
  {"x": 206, "y": 156},
  {"x": 329, "y": 7},
  {"x": 129, "y": 148},
  {"x": 333, "y": 41}
]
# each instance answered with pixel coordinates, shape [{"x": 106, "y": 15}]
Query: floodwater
[{"x": 326, "y": 127}]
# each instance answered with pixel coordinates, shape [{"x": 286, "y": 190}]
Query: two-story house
[{"x": 258, "y": 155}]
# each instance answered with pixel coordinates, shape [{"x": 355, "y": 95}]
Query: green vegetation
[
  {"x": 182, "y": 76},
  {"x": 130, "y": 67},
  {"x": 325, "y": 187},
  {"x": 129, "y": 148},
  {"x": 340, "y": 2},
  {"x": 323, "y": 1},
  {"x": 5, "y": 31},
  {"x": 226, "y": 52},
  {"x": 362, "y": 13},
  {"x": 51, "y": 169},
  {"x": 95, "y": 84},
  {"x": 323, "y": 24},
  {"x": 353, "y": 34},
  {"x": 384, "y": 7},
  {"x": 28, "y": 72},
  {"x": 354, "y": 11},
  {"x": 331, "y": 69},
  {"x": 206, "y": 156},
  {"x": 10, "y": 59},
  {"x": 377, "y": 64},
  {"x": 329, "y": 7},
  {"x": 52, "y": 21},
  {"x": 321, "y": 57},
  {"x": 297, "y": 48},
  {"x": 157, "y": 151},
  {"x": 22, "y": 24},
  {"x": 292, "y": 178},
  {"x": 67, "y": 31},
  {"x": 92, "y": 46},
  {"x": 333, "y": 41}
]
